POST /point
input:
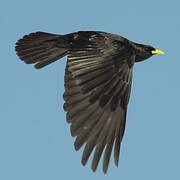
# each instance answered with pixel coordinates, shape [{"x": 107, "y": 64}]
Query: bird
[{"x": 97, "y": 82}]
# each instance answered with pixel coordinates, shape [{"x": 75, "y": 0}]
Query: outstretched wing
[{"x": 98, "y": 79}]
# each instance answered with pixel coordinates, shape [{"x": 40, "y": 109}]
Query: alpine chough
[{"x": 98, "y": 78}]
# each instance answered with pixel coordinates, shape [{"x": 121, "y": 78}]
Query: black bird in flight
[{"x": 98, "y": 78}]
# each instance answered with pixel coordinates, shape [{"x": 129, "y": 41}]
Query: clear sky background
[{"x": 35, "y": 141}]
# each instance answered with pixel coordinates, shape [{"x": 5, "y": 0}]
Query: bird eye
[{"x": 150, "y": 49}]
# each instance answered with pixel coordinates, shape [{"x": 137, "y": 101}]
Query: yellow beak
[{"x": 157, "y": 52}]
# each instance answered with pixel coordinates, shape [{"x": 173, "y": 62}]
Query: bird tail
[{"x": 41, "y": 48}]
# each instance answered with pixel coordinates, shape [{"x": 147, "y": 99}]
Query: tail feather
[{"x": 40, "y": 48}]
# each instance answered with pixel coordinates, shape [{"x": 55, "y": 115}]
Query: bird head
[{"x": 145, "y": 52}]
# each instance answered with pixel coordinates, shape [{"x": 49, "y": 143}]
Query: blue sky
[{"x": 35, "y": 141}]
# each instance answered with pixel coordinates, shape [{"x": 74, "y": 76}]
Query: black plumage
[{"x": 98, "y": 78}]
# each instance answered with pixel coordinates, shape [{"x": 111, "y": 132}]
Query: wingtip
[
  {"x": 116, "y": 158},
  {"x": 36, "y": 66},
  {"x": 93, "y": 168},
  {"x": 105, "y": 170},
  {"x": 83, "y": 162},
  {"x": 77, "y": 145},
  {"x": 116, "y": 162}
]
